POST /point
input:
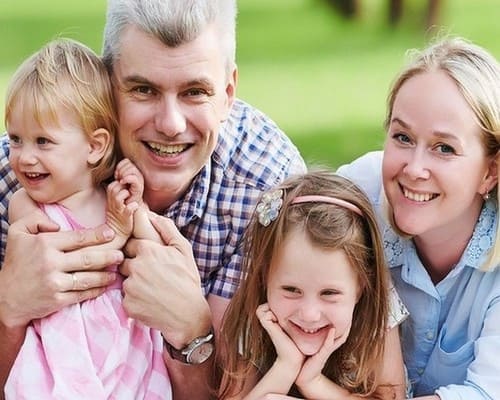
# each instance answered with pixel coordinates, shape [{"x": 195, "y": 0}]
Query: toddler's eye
[{"x": 14, "y": 139}]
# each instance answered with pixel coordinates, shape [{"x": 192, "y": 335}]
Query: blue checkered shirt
[{"x": 251, "y": 156}]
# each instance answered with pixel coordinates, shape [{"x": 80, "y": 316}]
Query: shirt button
[
  {"x": 429, "y": 335},
  {"x": 420, "y": 371}
]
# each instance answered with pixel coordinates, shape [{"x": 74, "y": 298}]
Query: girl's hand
[
  {"x": 310, "y": 375},
  {"x": 287, "y": 351}
]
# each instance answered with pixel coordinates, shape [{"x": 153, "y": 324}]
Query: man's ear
[
  {"x": 230, "y": 92},
  {"x": 99, "y": 141}
]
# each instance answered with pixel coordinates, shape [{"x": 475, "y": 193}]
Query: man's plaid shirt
[{"x": 252, "y": 155}]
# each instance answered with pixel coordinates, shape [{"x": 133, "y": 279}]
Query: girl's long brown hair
[{"x": 243, "y": 344}]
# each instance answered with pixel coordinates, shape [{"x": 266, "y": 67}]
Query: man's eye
[
  {"x": 196, "y": 92},
  {"x": 42, "y": 140},
  {"x": 143, "y": 90}
]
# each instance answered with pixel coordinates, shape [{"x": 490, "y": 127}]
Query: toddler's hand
[
  {"x": 119, "y": 213},
  {"x": 130, "y": 178}
]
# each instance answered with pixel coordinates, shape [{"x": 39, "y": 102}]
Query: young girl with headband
[{"x": 312, "y": 316}]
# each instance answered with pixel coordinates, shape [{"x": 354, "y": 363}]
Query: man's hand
[
  {"x": 45, "y": 270},
  {"x": 163, "y": 287}
]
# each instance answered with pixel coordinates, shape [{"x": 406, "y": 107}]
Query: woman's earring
[{"x": 486, "y": 196}]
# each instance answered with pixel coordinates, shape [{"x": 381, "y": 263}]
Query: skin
[
  {"x": 45, "y": 274},
  {"x": 171, "y": 99},
  {"x": 428, "y": 156},
  {"x": 311, "y": 295},
  {"x": 39, "y": 157},
  {"x": 171, "y": 102}
]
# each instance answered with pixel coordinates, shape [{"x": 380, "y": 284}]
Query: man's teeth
[
  {"x": 167, "y": 149},
  {"x": 420, "y": 197}
]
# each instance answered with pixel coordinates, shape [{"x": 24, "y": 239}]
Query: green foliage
[{"x": 322, "y": 78}]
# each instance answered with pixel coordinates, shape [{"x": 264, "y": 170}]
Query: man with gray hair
[{"x": 206, "y": 157}]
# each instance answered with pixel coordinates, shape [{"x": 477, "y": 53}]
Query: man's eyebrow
[
  {"x": 199, "y": 82},
  {"x": 137, "y": 79}
]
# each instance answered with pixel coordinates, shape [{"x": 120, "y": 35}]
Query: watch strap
[{"x": 182, "y": 354}]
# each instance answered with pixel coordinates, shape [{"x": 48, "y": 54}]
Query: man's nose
[{"x": 170, "y": 119}]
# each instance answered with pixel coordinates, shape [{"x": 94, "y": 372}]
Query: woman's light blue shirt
[{"x": 451, "y": 341}]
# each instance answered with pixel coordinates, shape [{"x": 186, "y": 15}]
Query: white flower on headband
[{"x": 269, "y": 207}]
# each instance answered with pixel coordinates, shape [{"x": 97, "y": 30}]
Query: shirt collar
[
  {"x": 192, "y": 204},
  {"x": 400, "y": 250}
]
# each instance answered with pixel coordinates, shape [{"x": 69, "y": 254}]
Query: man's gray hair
[{"x": 173, "y": 22}]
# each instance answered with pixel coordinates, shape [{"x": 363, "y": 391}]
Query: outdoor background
[{"x": 322, "y": 78}]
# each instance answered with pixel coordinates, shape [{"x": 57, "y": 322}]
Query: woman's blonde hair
[
  {"x": 66, "y": 76},
  {"x": 355, "y": 364}
]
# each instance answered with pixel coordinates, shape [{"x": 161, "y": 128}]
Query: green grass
[{"x": 323, "y": 79}]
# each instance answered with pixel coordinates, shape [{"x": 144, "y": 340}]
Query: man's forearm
[{"x": 11, "y": 340}]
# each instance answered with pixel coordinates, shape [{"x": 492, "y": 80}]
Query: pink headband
[{"x": 326, "y": 199}]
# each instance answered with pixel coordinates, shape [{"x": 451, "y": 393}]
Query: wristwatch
[{"x": 196, "y": 352}]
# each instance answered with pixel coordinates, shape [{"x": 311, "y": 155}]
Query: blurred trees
[{"x": 352, "y": 8}]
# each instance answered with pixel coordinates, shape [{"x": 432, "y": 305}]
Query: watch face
[{"x": 201, "y": 353}]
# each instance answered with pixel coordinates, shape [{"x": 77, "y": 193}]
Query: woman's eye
[
  {"x": 402, "y": 138},
  {"x": 42, "y": 141},
  {"x": 445, "y": 149}
]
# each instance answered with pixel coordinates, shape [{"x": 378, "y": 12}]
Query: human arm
[
  {"x": 44, "y": 276},
  {"x": 311, "y": 381},
  {"x": 130, "y": 179},
  {"x": 481, "y": 379},
  {"x": 313, "y": 384},
  {"x": 163, "y": 290},
  {"x": 282, "y": 374}
]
